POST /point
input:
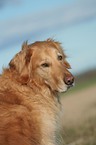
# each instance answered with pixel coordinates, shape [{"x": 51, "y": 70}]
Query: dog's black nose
[{"x": 68, "y": 79}]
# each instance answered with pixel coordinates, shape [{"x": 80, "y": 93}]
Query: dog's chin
[
  {"x": 64, "y": 88},
  {"x": 61, "y": 89}
]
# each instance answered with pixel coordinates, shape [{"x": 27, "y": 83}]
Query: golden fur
[{"x": 29, "y": 104}]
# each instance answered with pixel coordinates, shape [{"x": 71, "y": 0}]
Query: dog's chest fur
[{"x": 50, "y": 121}]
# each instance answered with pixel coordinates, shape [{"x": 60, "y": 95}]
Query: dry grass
[
  {"x": 80, "y": 117},
  {"x": 84, "y": 134}
]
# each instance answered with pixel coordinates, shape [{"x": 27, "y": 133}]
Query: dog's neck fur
[{"x": 37, "y": 88}]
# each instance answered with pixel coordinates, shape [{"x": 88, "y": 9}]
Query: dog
[{"x": 29, "y": 103}]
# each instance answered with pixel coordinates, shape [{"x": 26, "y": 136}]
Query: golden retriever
[{"x": 29, "y": 103}]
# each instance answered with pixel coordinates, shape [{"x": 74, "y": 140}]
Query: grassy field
[
  {"x": 80, "y": 86},
  {"x": 79, "y": 104},
  {"x": 84, "y": 134}
]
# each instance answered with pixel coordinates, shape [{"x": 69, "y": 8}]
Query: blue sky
[
  {"x": 72, "y": 22},
  {"x": 24, "y": 7}
]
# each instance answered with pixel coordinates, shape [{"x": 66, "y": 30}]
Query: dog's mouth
[
  {"x": 62, "y": 87},
  {"x": 70, "y": 86}
]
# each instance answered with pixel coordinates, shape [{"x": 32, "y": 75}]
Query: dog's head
[{"x": 45, "y": 63}]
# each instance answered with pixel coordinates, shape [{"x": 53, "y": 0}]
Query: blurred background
[{"x": 73, "y": 23}]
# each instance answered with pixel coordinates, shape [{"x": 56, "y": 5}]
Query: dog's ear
[
  {"x": 21, "y": 63},
  {"x": 67, "y": 65}
]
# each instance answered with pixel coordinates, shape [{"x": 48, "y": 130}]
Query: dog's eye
[
  {"x": 45, "y": 65},
  {"x": 60, "y": 57}
]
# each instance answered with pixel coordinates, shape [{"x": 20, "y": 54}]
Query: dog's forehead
[
  {"x": 49, "y": 51},
  {"x": 48, "y": 47}
]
